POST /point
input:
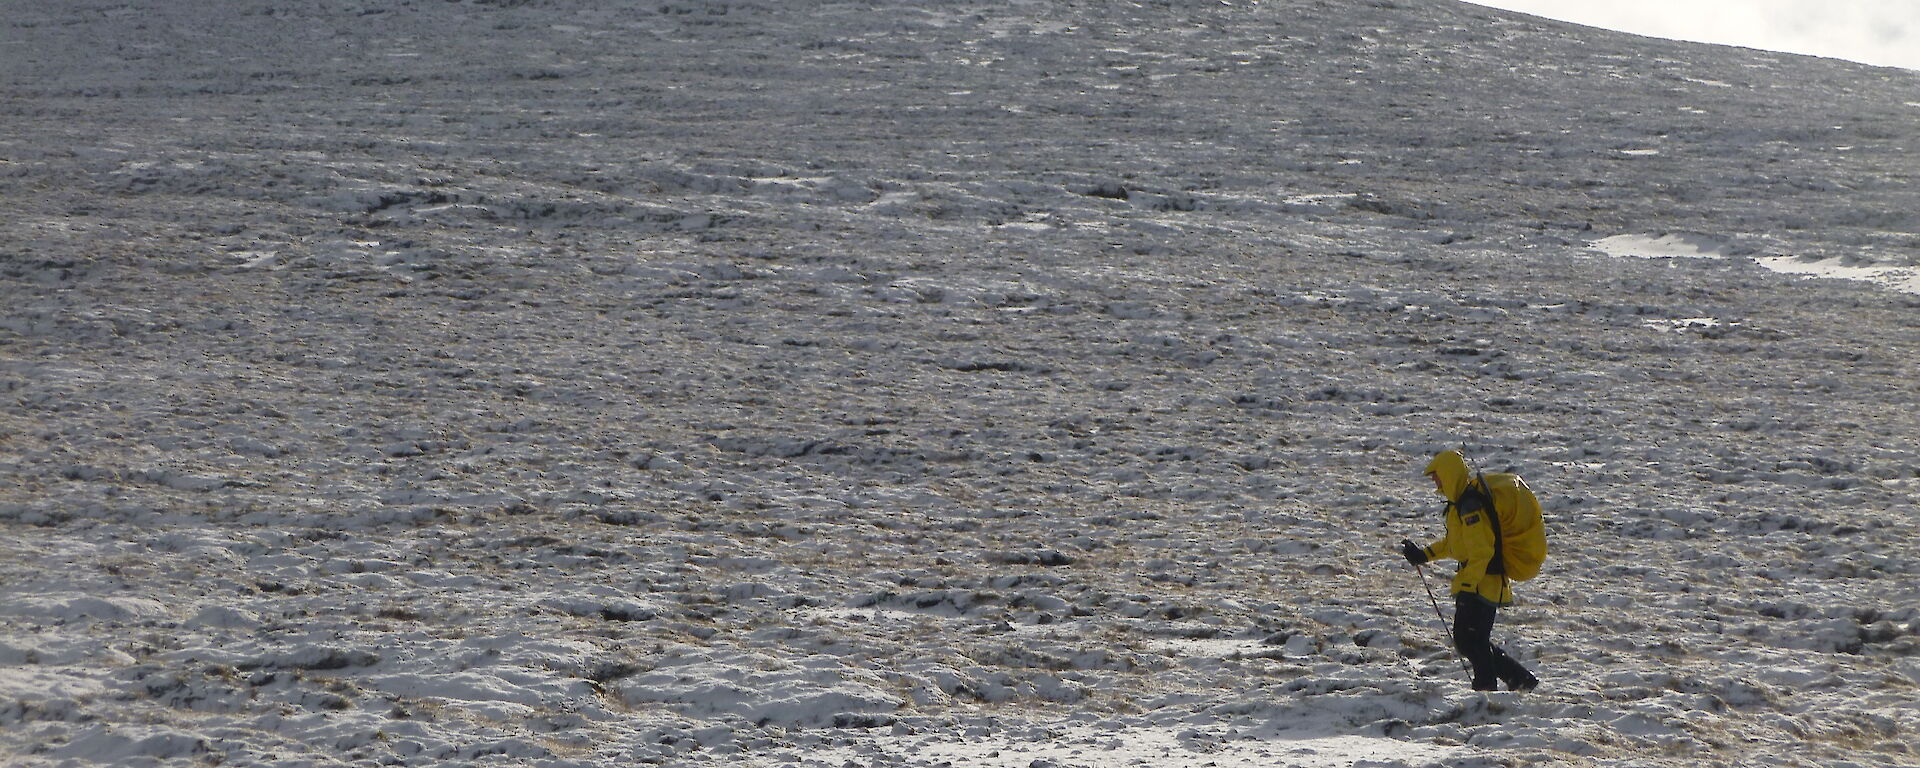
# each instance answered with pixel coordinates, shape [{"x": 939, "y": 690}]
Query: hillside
[{"x": 812, "y": 383}]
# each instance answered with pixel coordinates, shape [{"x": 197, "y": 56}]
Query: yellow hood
[{"x": 1452, "y": 470}]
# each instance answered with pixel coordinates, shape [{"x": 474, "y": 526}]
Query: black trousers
[{"x": 1473, "y": 619}]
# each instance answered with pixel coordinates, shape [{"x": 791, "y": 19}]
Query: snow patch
[
  {"x": 1663, "y": 246},
  {"x": 25, "y": 684},
  {"x": 111, "y": 743},
  {"x": 766, "y": 690},
  {"x": 1682, "y": 324},
  {"x": 1903, "y": 279},
  {"x": 1159, "y": 746},
  {"x": 84, "y": 608}
]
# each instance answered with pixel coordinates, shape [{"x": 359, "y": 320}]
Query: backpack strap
[{"x": 1499, "y": 563}]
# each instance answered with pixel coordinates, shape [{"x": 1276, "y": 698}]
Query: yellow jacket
[{"x": 1470, "y": 536}]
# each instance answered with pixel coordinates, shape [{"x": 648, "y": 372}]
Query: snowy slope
[{"x": 1000, "y": 383}]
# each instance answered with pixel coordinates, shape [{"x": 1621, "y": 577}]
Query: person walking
[{"x": 1480, "y": 509}]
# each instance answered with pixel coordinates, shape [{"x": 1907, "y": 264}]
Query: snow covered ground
[{"x": 1017, "y": 383}]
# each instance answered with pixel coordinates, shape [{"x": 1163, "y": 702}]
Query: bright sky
[{"x": 1883, "y": 32}]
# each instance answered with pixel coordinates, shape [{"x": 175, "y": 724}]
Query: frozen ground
[{"x": 999, "y": 383}]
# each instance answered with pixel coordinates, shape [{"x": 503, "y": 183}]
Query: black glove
[{"x": 1414, "y": 553}]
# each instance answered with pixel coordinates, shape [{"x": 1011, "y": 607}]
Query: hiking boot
[{"x": 1525, "y": 683}]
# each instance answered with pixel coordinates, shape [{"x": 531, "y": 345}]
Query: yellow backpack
[{"x": 1519, "y": 532}]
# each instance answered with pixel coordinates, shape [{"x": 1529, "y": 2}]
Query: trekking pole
[{"x": 1444, "y": 626}]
